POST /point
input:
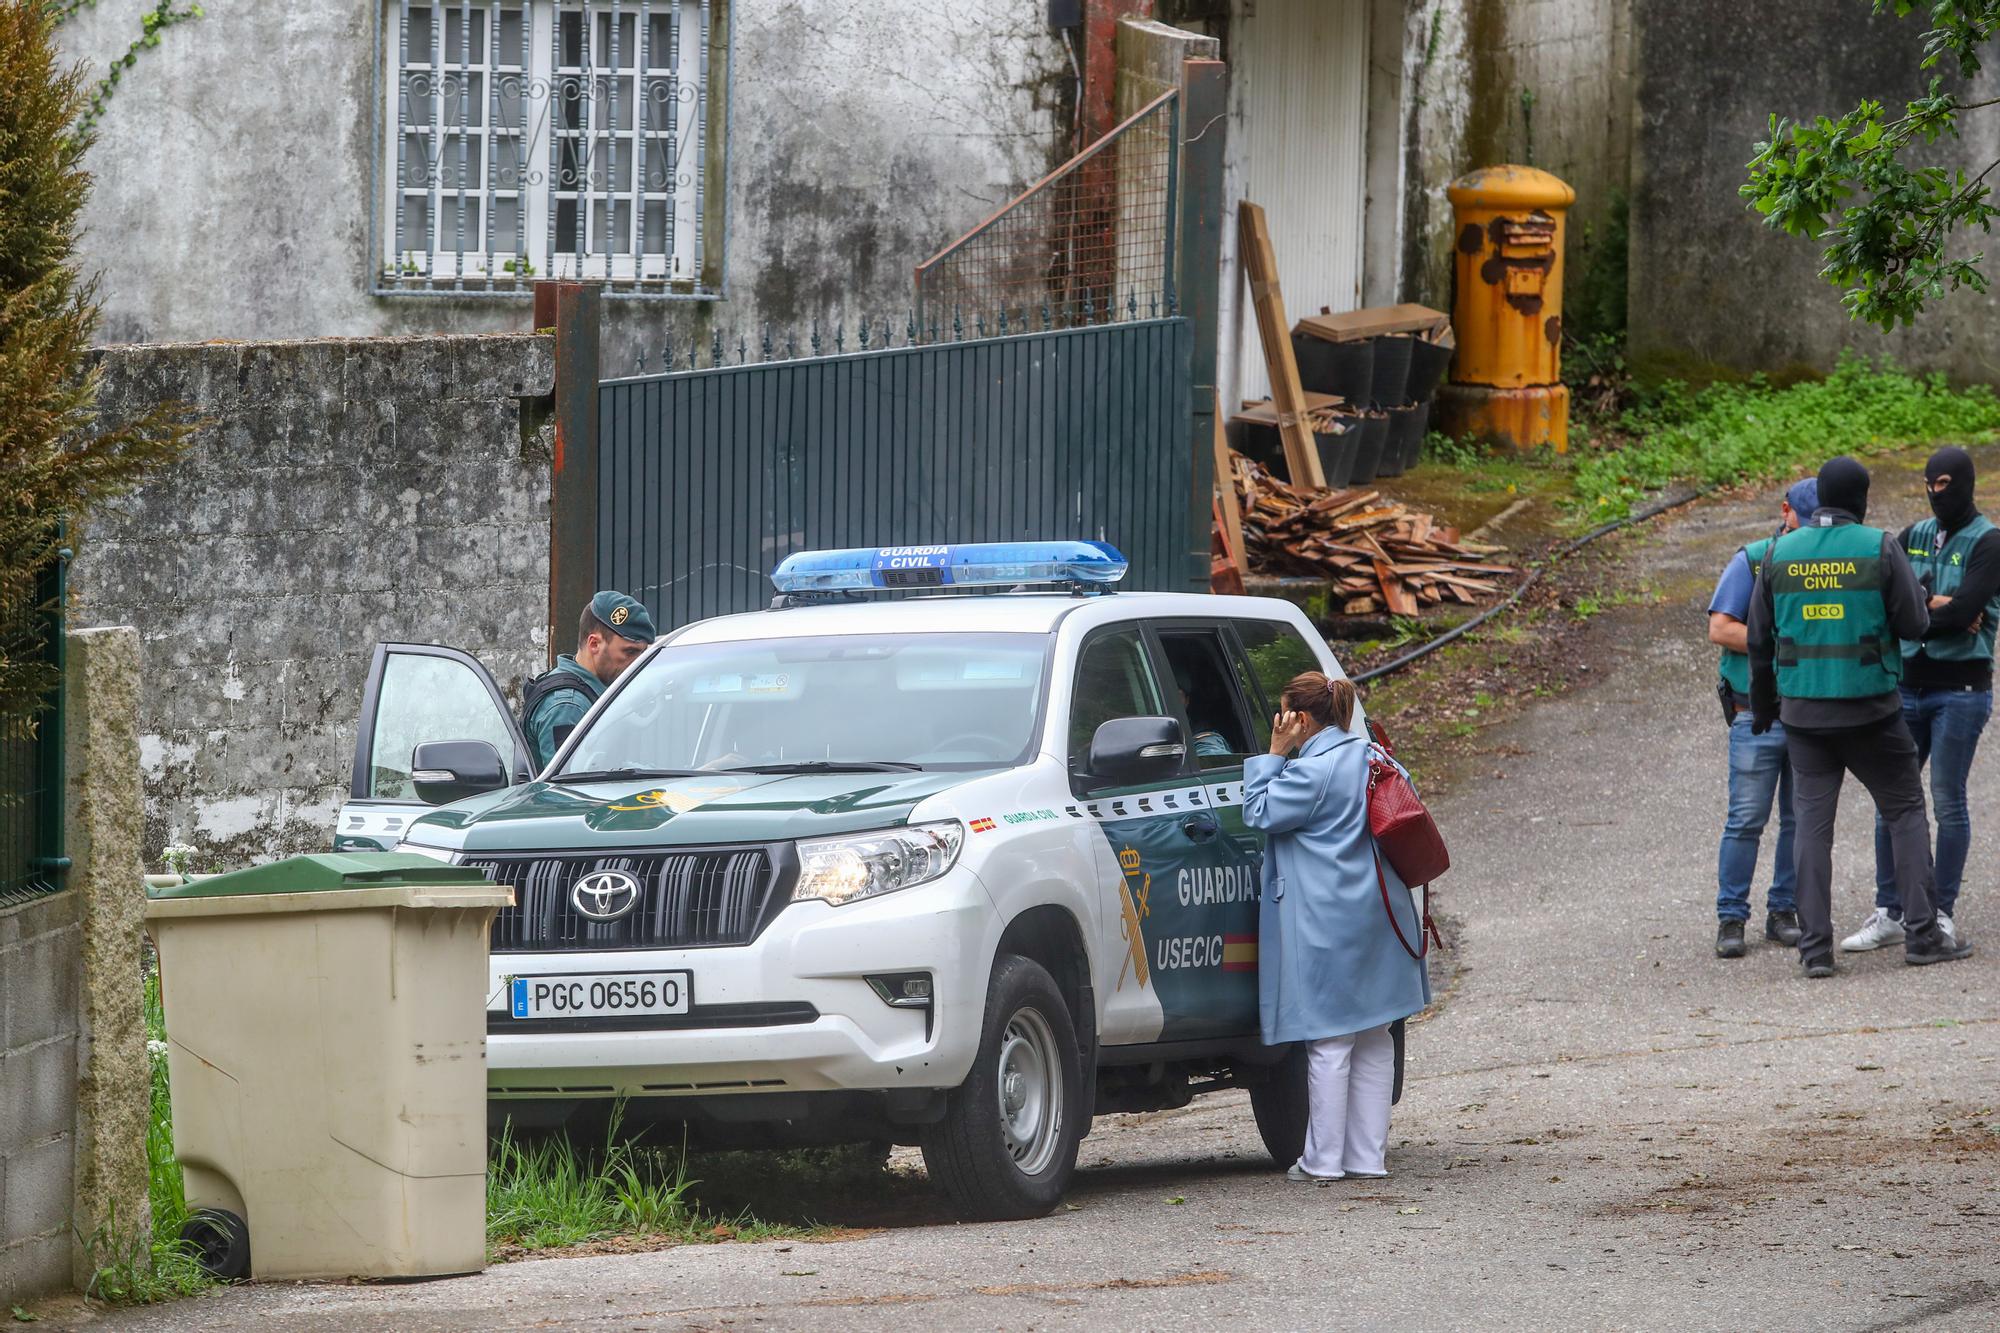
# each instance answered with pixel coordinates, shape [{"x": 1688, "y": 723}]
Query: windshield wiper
[
  {"x": 832, "y": 766},
  {"x": 625, "y": 774}
]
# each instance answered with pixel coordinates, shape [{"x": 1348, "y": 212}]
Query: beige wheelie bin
[{"x": 326, "y": 1042}]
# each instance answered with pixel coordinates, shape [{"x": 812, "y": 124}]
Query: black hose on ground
[{"x": 1654, "y": 510}]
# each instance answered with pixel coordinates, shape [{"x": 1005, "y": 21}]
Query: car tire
[
  {"x": 1281, "y": 1107},
  {"x": 220, "y": 1242},
  {"x": 1006, "y": 1146}
]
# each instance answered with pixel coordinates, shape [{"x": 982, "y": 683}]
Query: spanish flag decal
[
  {"x": 982, "y": 826},
  {"x": 1239, "y": 953}
]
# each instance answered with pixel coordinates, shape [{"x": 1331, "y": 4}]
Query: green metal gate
[
  {"x": 708, "y": 478},
  {"x": 31, "y": 761}
]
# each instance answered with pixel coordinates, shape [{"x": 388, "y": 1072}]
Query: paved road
[{"x": 1605, "y": 1128}]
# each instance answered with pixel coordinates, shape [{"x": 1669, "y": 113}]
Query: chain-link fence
[
  {"x": 1090, "y": 243},
  {"x": 31, "y": 769}
]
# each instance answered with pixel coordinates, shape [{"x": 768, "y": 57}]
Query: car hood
[{"x": 711, "y": 808}]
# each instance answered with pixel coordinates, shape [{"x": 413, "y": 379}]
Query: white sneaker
[
  {"x": 1879, "y": 929},
  {"x": 1945, "y": 925}
]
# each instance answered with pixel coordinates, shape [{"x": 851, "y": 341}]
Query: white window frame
[{"x": 592, "y": 83}]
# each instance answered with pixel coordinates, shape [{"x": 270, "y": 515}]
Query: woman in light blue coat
[{"x": 1331, "y": 972}]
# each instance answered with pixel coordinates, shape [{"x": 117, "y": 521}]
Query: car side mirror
[
  {"x": 447, "y": 771},
  {"x": 1137, "y": 749}
]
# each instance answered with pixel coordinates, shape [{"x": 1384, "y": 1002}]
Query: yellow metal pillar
[{"x": 1506, "y": 384}]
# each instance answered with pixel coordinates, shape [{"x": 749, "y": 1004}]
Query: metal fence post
[
  {"x": 572, "y": 310},
  {"x": 53, "y": 854},
  {"x": 1196, "y": 282}
]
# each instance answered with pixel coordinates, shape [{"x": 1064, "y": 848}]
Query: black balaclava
[
  {"x": 1954, "y": 506},
  {"x": 1843, "y": 484}
]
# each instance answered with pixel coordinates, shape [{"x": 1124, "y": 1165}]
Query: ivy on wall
[{"x": 163, "y": 15}]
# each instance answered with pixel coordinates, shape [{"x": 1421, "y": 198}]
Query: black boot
[
  {"x": 1819, "y": 965},
  {"x": 1932, "y": 945},
  {"x": 1782, "y": 927},
  {"x": 1729, "y": 940}
]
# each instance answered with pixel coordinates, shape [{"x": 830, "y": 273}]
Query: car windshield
[{"x": 884, "y": 701}]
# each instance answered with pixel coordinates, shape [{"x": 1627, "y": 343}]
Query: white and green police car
[{"x": 959, "y": 870}]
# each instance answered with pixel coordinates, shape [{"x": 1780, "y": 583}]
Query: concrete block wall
[
  {"x": 343, "y": 492},
  {"x": 1713, "y": 290},
  {"x": 41, "y": 980}
]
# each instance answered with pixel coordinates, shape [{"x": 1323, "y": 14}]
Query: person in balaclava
[
  {"x": 1831, "y": 603},
  {"x": 1947, "y": 687}
]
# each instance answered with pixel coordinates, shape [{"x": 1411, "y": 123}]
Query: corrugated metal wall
[
  {"x": 708, "y": 478},
  {"x": 1298, "y": 147}
]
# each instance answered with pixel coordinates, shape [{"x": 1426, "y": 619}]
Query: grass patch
[
  {"x": 549, "y": 1193},
  {"x": 1727, "y": 434}
]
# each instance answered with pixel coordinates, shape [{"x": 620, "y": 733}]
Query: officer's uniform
[
  {"x": 555, "y": 701},
  {"x": 1947, "y": 687},
  {"x": 1832, "y": 601}
]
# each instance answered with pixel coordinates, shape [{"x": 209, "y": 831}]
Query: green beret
[{"x": 626, "y": 616}]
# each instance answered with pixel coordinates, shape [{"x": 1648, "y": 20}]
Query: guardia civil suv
[{"x": 959, "y": 869}]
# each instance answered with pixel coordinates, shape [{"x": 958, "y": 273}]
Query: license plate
[{"x": 601, "y": 995}]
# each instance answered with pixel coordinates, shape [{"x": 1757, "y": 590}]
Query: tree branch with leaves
[{"x": 1887, "y": 225}]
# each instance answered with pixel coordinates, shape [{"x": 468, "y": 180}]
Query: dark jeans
[
  {"x": 1946, "y": 725},
  {"x": 1759, "y": 773},
  {"x": 1884, "y": 757}
]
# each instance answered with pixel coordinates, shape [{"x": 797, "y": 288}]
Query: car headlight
[
  {"x": 444, "y": 854},
  {"x": 844, "y": 870}
]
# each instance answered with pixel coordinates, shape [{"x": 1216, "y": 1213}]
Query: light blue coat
[{"x": 1327, "y": 961}]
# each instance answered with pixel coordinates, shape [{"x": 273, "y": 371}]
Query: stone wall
[
  {"x": 1543, "y": 83},
  {"x": 233, "y": 167},
  {"x": 74, "y": 1088},
  {"x": 1715, "y": 291},
  {"x": 41, "y": 977},
  {"x": 343, "y": 492}
]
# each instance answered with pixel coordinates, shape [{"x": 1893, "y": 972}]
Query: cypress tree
[{"x": 57, "y": 460}]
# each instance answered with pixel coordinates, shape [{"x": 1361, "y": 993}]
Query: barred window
[{"x": 553, "y": 138}]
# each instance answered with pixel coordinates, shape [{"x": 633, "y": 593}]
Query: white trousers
[{"x": 1348, "y": 1084}]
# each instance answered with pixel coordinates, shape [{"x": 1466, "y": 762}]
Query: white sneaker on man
[
  {"x": 1879, "y": 929},
  {"x": 1945, "y": 925}
]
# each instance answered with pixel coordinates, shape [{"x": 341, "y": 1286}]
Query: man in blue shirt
[{"x": 1758, "y": 768}]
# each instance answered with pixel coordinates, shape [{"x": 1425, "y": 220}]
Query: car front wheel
[{"x": 1006, "y": 1147}]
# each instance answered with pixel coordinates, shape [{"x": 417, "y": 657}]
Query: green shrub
[{"x": 1732, "y": 433}]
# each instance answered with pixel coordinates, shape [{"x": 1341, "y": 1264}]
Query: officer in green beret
[{"x": 613, "y": 630}]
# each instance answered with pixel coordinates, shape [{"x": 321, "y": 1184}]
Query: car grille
[{"x": 692, "y": 898}]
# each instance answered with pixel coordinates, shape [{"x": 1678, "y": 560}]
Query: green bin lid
[{"x": 327, "y": 872}]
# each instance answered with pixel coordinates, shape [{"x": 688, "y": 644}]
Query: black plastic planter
[
  {"x": 1391, "y": 385},
  {"x": 1406, "y": 436},
  {"x": 1428, "y": 363},
  {"x": 1368, "y": 457},
  {"x": 1337, "y": 450},
  {"x": 1258, "y": 440},
  {"x": 1343, "y": 369}
]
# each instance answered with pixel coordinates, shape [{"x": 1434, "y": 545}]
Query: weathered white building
[{"x": 285, "y": 169}]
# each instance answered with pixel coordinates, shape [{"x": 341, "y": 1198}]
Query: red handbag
[{"x": 1407, "y": 835}]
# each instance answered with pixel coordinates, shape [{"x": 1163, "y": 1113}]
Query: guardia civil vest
[
  {"x": 1946, "y": 570},
  {"x": 1735, "y": 667},
  {"x": 1832, "y": 627}
]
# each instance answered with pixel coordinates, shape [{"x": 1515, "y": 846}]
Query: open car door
[{"x": 419, "y": 694}]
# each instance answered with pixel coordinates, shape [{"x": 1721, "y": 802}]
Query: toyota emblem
[{"x": 605, "y": 895}]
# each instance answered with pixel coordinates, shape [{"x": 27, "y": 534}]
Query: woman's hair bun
[{"x": 1327, "y": 700}]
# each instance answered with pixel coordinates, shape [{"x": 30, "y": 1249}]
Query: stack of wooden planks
[{"x": 1378, "y": 554}]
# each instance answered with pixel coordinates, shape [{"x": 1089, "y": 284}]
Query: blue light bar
[{"x": 978, "y": 565}]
